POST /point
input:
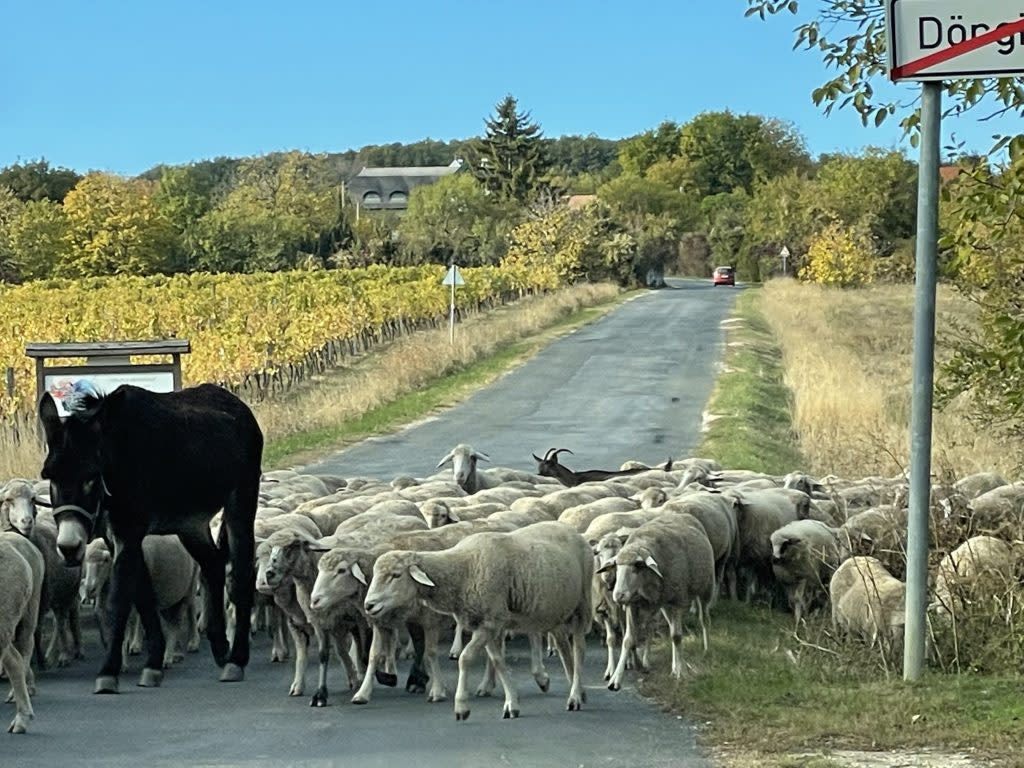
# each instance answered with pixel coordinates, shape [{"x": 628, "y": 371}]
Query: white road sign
[
  {"x": 948, "y": 39},
  {"x": 453, "y": 277}
]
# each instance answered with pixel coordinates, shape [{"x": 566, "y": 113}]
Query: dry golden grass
[
  {"x": 21, "y": 449},
  {"x": 847, "y": 357},
  {"x": 316, "y": 409}
]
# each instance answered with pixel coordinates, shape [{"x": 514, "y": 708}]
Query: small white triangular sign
[{"x": 454, "y": 277}]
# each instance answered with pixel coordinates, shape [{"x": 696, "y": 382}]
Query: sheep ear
[
  {"x": 357, "y": 574},
  {"x": 481, "y": 456},
  {"x": 314, "y": 546},
  {"x": 454, "y": 517},
  {"x": 650, "y": 562},
  {"x": 610, "y": 565},
  {"x": 446, "y": 459},
  {"x": 420, "y": 577}
]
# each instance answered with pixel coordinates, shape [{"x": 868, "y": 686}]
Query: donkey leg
[
  {"x": 125, "y": 575},
  {"x": 155, "y": 642},
  {"x": 239, "y": 513},
  {"x": 211, "y": 565}
]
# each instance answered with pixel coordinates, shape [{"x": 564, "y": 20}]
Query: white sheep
[
  {"x": 981, "y": 568},
  {"x": 805, "y": 554},
  {"x": 716, "y": 512},
  {"x": 580, "y": 516},
  {"x": 868, "y": 602},
  {"x": 60, "y": 594},
  {"x": 533, "y": 580},
  {"x": 175, "y": 577},
  {"x": 21, "y": 569},
  {"x": 666, "y": 563},
  {"x": 464, "y": 459},
  {"x": 287, "y": 566}
]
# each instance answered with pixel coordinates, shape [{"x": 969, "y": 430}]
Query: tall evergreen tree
[{"x": 509, "y": 158}]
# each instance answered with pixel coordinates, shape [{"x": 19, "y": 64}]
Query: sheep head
[
  {"x": 463, "y": 459},
  {"x": 339, "y": 578},
  {"x": 18, "y": 506},
  {"x": 397, "y": 580}
]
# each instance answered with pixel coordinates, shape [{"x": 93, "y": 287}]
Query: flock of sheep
[{"x": 367, "y": 571}]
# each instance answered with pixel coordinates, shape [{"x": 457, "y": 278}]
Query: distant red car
[{"x": 724, "y": 276}]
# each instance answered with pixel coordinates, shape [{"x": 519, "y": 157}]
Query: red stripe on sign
[{"x": 912, "y": 68}]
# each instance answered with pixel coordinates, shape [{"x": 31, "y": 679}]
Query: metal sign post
[
  {"x": 452, "y": 278},
  {"x": 928, "y": 41},
  {"x": 784, "y": 253}
]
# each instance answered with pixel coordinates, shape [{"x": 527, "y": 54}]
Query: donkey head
[{"x": 74, "y": 468}]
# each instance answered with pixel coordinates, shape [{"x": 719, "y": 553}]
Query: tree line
[{"x": 722, "y": 188}]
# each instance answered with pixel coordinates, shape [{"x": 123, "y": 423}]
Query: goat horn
[
  {"x": 547, "y": 456},
  {"x": 561, "y": 450}
]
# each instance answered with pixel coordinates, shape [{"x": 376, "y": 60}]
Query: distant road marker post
[
  {"x": 453, "y": 277},
  {"x": 929, "y": 41}
]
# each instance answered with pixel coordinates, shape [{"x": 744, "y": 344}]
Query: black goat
[{"x": 550, "y": 467}]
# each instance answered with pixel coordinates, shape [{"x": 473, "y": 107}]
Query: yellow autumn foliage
[{"x": 840, "y": 256}]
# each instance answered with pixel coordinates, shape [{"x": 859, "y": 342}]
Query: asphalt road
[{"x": 631, "y": 385}]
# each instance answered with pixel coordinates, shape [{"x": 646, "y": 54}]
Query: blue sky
[{"x": 122, "y": 86}]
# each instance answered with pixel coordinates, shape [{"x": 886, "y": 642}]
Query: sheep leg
[
  {"x": 674, "y": 619},
  {"x": 456, "y": 648},
  {"x": 540, "y": 675},
  {"x": 341, "y": 646},
  {"x": 76, "y": 632},
  {"x": 301, "y": 639},
  {"x": 279, "y": 646},
  {"x": 465, "y": 659},
  {"x": 389, "y": 676},
  {"x": 418, "y": 677},
  {"x": 496, "y": 654},
  {"x": 15, "y": 665},
  {"x": 431, "y": 639},
  {"x": 377, "y": 642},
  {"x": 324, "y": 656},
  {"x": 609, "y": 640},
  {"x": 702, "y": 617},
  {"x": 135, "y": 639},
  {"x": 193, "y": 626},
  {"x": 577, "y": 693},
  {"x": 628, "y": 644},
  {"x": 488, "y": 682},
  {"x": 56, "y": 654}
]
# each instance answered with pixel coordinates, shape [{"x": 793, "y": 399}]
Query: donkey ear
[
  {"x": 420, "y": 577},
  {"x": 50, "y": 419},
  {"x": 357, "y": 574}
]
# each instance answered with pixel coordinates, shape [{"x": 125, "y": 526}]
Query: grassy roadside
[
  {"x": 765, "y": 696},
  {"x": 417, "y": 375},
  {"x": 750, "y": 408}
]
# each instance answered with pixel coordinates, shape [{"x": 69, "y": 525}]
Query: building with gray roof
[{"x": 388, "y": 189}]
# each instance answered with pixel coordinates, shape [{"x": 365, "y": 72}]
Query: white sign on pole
[
  {"x": 784, "y": 253},
  {"x": 453, "y": 277},
  {"x": 59, "y": 384},
  {"x": 947, "y": 39}
]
